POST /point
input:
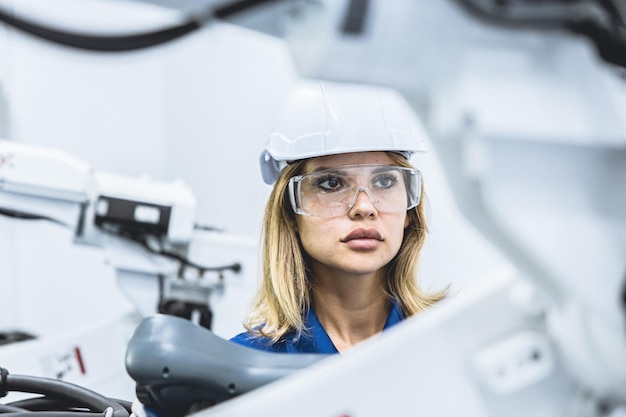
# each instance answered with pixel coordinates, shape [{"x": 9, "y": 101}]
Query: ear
[{"x": 406, "y": 220}]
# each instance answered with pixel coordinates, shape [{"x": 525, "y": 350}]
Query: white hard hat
[{"x": 320, "y": 118}]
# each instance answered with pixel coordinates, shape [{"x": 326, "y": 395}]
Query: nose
[{"x": 362, "y": 204}]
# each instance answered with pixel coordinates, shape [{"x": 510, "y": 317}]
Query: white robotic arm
[
  {"x": 145, "y": 226},
  {"x": 47, "y": 184},
  {"x": 54, "y": 185}
]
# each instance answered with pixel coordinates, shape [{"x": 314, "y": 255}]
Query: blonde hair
[{"x": 284, "y": 292}]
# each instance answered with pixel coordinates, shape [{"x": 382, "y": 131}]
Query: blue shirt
[{"x": 314, "y": 340}]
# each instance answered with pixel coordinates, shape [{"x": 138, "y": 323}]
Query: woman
[{"x": 344, "y": 224}]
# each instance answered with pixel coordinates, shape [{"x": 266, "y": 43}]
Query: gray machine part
[{"x": 181, "y": 367}]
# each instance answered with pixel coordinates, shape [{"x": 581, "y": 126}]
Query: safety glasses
[{"x": 333, "y": 192}]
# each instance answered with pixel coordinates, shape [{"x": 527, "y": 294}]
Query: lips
[{"x": 363, "y": 233}]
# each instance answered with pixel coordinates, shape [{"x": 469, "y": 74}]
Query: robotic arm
[
  {"x": 146, "y": 226},
  {"x": 49, "y": 184}
]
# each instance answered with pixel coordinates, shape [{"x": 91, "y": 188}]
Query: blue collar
[{"x": 316, "y": 340}]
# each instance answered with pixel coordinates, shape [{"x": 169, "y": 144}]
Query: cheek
[
  {"x": 398, "y": 229},
  {"x": 314, "y": 233},
  {"x": 305, "y": 230}
]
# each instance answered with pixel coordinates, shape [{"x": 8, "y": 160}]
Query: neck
[{"x": 350, "y": 308}]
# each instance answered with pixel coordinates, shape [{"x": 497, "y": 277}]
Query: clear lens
[{"x": 333, "y": 192}]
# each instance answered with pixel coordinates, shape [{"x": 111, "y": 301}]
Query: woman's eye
[
  {"x": 385, "y": 181},
  {"x": 329, "y": 183}
]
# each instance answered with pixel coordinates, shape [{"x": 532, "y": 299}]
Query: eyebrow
[
  {"x": 339, "y": 170},
  {"x": 330, "y": 170}
]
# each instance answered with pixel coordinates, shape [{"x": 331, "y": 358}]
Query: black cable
[
  {"x": 22, "y": 215},
  {"x": 57, "y": 389},
  {"x": 505, "y": 14},
  {"x": 610, "y": 47},
  {"x": 55, "y": 404},
  {"x": 207, "y": 228},
  {"x": 614, "y": 12},
  {"x": 121, "y": 43},
  {"x": 235, "y": 267},
  {"x": 235, "y": 7},
  {"x": 141, "y": 239},
  {"x": 43, "y": 404},
  {"x": 501, "y": 16},
  {"x": 610, "y": 41},
  {"x": 99, "y": 43}
]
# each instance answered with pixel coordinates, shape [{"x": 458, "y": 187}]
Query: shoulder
[{"x": 259, "y": 343}]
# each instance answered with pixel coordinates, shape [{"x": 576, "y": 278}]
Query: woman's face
[{"x": 360, "y": 241}]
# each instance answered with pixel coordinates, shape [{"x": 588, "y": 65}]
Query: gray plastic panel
[{"x": 181, "y": 367}]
